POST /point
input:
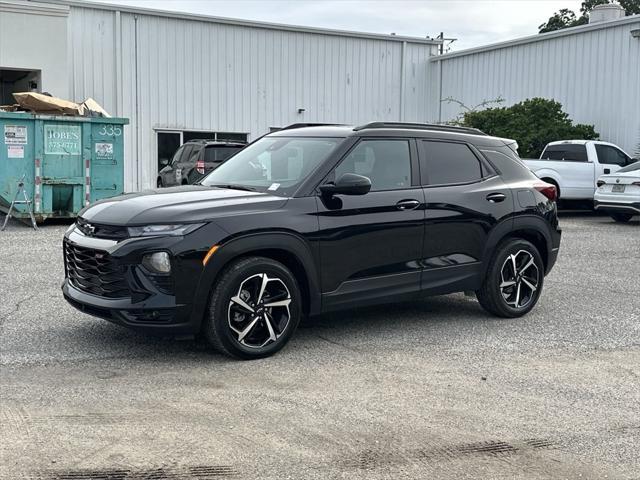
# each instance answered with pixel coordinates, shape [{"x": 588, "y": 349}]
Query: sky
[{"x": 472, "y": 22}]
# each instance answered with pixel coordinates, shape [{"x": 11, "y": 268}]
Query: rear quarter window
[{"x": 510, "y": 167}]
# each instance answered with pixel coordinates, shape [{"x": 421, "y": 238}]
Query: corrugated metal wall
[
  {"x": 595, "y": 74},
  {"x": 187, "y": 74}
]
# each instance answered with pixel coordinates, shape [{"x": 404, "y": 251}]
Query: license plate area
[{"x": 618, "y": 188}]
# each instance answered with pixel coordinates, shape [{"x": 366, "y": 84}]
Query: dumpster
[{"x": 68, "y": 162}]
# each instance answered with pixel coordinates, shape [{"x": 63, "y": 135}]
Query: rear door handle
[
  {"x": 407, "y": 204},
  {"x": 496, "y": 197}
]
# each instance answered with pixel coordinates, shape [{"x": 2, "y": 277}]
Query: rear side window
[
  {"x": 219, "y": 154},
  {"x": 611, "y": 155},
  {"x": 449, "y": 163},
  {"x": 566, "y": 152}
]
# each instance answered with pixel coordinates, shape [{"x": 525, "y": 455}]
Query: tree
[
  {"x": 566, "y": 18},
  {"x": 532, "y": 123}
]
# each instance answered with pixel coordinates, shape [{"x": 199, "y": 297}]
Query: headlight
[
  {"x": 158, "y": 262},
  {"x": 161, "y": 230}
]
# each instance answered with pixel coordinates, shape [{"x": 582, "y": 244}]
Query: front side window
[
  {"x": 450, "y": 163},
  {"x": 387, "y": 163},
  {"x": 274, "y": 164},
  {"x": 611, "y": 156}
]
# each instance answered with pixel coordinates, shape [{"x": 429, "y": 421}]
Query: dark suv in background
[
  {"x": 194, "y": 159},
  {"x": 318, "y": 218}
]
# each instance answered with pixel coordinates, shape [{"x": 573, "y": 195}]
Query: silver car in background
[{"x": 619, "y": 193}]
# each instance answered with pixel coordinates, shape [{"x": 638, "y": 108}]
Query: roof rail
[
  {"x": 421, "y": 126},
  {"x": 303, "y": 125}
]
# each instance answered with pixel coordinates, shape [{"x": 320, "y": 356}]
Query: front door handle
[
  {"x": 496, "y": 197},
  {"x": 407, "y": 204}
]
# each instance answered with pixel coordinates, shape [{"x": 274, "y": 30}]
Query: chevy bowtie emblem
[{"x": 90, "y": 228}]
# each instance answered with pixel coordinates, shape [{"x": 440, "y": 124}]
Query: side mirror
[
  {"x": 164, "y": 162},
  {"x": 347, "y": 184}
]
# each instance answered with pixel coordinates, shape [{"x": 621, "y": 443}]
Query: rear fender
[{"x": 524, "y": 223}]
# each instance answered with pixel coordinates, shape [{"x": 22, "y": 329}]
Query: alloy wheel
[
  {"x": 258, "y": 314},
  {"x": 519, "y": 279}
]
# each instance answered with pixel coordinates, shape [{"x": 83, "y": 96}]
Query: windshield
[
  {"x": 630, "y": 168},
  {"x": 274, "y": 164}
]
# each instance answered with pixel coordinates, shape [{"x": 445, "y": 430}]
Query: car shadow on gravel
[{"x": 109, "y": 341}]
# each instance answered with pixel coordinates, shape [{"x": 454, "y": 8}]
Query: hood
[{"x": 185, "y": 204}]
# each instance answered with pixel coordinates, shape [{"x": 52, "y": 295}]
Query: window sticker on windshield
[{"x": 274, "y": 187}]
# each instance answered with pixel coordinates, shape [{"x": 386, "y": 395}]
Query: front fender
[{"x": 229, "y": 250}]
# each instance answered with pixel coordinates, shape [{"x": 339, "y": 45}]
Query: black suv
[
  {"x": 311, "y": 219},
  {"x": 194, "y": 160}
]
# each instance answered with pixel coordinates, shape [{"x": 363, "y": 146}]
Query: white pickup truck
[{"x": 574, "y": 166}]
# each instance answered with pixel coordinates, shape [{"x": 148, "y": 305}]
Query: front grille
[
  {"x": 95, "y": 272},
  {"x": 112, "y": 232}
]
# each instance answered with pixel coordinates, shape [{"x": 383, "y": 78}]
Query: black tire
[
  {"x": 492, "y": 297},
  {"x": 621, "y": 217},
  {"x": 159, "y": 183},
  {"x": 223, "y": 311}
]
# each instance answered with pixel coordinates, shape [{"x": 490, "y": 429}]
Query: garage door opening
[{"x": 12, "y": 81}]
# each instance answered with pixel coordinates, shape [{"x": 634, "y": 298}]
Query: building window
[{"x": 169, "y": 141}]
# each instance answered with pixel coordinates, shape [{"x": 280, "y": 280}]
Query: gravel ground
[{"x": 430, "y": 389}]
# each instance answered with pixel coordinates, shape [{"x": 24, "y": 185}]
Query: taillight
[
  {"x": 547, "y": 190},
  {"x": 600, "y": 183},
  {"x": 635, "y": 183},
  {"x": 200, "y": 166}
]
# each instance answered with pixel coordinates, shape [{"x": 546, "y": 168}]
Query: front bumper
[
  {"x": 142, "y": 301},
  {"x": 157, "y": 314}
]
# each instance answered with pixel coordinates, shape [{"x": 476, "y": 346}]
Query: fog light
[{"x": 158, "y": 262}]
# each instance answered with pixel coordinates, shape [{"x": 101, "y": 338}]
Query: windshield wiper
[{"x": 234, "y": 186}]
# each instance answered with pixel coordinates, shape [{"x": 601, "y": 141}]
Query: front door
[
  {"x": 465, "y": 200},
  {"x": 370, "y": 245}
]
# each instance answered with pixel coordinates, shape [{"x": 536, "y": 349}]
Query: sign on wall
[
  {"x": 62, "y": 139},
  {"x": 15, "y": 134}
]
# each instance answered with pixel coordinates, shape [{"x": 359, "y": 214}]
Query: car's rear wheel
[
  {"x": 514, "y": 279},
  {"x": 621, "y": 217},
  {"x": 254, "y": 309}
]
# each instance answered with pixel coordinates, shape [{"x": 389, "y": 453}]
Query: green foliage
[
  {"x": 566, "y": 18},
  {"x": 532, "y": 123},
  {"x": 632, "y": 7}
]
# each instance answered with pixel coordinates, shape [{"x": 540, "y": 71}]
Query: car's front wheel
[
  {"x": 514, "y": 279},
  {"x": 255, "y": 307},
  {"x": 621, "y": 217}
]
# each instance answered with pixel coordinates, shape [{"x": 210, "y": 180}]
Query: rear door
[
  {"x": 465, "y": 199},
  {"x": 371, "y": 245},
  {"x": 168, "y": 173}
]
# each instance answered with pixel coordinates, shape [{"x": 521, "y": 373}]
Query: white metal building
[
  {"x": 170, "y": 72},
  {"x": 180, "y": 76},
  {"x": 592, "y": 70}
]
